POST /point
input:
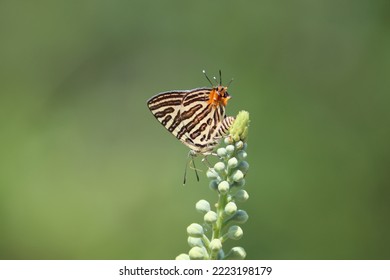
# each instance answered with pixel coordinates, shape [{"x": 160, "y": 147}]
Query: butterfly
[{"x": 196, "y": 117}]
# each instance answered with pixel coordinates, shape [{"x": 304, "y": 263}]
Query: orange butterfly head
[{"x": 219, "y": 96}]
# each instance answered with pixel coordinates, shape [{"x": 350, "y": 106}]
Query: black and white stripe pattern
[{"x": 192, "y": 117}]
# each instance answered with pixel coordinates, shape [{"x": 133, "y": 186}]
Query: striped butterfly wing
[
  {"x": 191, "y": 118},
  {"x": 166, "y": 108},
  {"x": 202, "y": 123}
]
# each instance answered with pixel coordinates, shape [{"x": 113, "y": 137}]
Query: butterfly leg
[
  {"x": 192, "y": 155},
  {"x": 206, "y": 162},
  {"x": 194, "y": 168}
]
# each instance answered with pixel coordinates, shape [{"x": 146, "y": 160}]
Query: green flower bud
[
  {"x": 237, "y": 176},
  {"x": 215, "y": 245},
  {"x": 211, "y": 174},
  {"x": 243, "y": 166},
  {"x": 228, "y": 140},
  {"x": 202, "y": 206},
  {"x": 240, "y": 217},
  {"x": 241, "y": 196},
  {"x": 232, "y": 163},
  {"x": 242, "y": 155},
  {"x": 210, "y": 217},
  {"x": 219, "y": 167},
  {"x": 223, "y": 187},
  {"x": 183, "y": 257},
  {"x": 195, "y": 230},
  {"x": 230, "y": 208},
  {"x": 239, "y": 129},
  {"x": 239, "y": 184},
  {"x": 194, "y": 241},
  {"x": 239, "y": 145},
  {"x": 236, "y": 253},
  {"x": 235, "y": 232},
  {"x": 213, "y": 185},
  {"x": 230, "y": 149},
  {"x": 198, "y": 253},
  {"x": 221, "y": 152}
]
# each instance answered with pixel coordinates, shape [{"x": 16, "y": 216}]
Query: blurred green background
[{"x": 86, "y": 172}]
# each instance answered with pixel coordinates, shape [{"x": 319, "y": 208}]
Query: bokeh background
[{"x": 86, "y": 172}]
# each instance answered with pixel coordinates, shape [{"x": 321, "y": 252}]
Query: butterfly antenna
[
  {"x": 230, "y": 82},
  {"x": 215, "y": 79},
  {"x": 204, "y": 72},
  {"x": 220, "y": 77}
]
